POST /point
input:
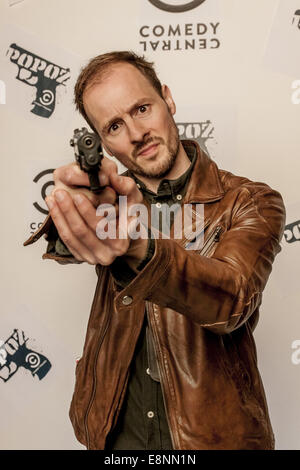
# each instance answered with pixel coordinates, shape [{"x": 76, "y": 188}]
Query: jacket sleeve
[
  {"x": 219, "y": 292},
  {"x": 121, "y": 271},
  {"x": 56, "y": 249}
]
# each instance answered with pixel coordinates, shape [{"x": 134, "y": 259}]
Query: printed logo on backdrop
[
  {"x": 214, "y": 127},
  {"x": 39, "y": 77},
  {"x": 14, "y": 2},
  {"x": 296, "y": 19},
  {"x": 295, "y": 358},
  {"x": 175, "y": 26},
  {"x": 295, "y": 98},
  {"x": 283, "y": 45},
  {"x": 292, "y": 232},
  {"x": 41, "y": 74},
  {"x": 202, "y": 132},
  {"x": 14, "y": 354},
  {"x": 183, "y": 6},
  {"x": 2, "y": 92},
  {"x": 43, "y": 186}
]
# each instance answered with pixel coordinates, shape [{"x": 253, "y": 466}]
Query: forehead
[
  {"x": 121, "y": 71},
  {"x": 116, "y": 89}
]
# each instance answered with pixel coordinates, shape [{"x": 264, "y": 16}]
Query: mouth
[{"x": 148, "y": 151}]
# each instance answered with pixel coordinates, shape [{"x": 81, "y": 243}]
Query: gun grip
[{"x": 95, "y": 186}]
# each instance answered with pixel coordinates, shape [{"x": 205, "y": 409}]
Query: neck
[{"x": 180, "y": 166}]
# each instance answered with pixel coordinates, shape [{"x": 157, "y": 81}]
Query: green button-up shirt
[{"x": 142, "y": 423}]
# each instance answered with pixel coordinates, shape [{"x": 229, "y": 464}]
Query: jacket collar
[{"x": 205, "y": 183}]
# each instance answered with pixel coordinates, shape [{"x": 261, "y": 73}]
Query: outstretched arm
[{"x": 221, "y": 291}]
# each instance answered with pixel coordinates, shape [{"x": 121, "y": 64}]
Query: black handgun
[{"x": 88, "y": 154}]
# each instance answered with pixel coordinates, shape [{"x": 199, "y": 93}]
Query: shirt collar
[{"x": 168, "y": 187}]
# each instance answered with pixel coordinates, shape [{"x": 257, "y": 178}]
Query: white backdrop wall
[{"x": 234, "y": 70}]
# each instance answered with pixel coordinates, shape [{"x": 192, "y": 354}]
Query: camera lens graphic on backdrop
[
  {"x": 14, "y": 354},
  {"x": 183, "y": 6},
  {"x": 44, "y": 188}
]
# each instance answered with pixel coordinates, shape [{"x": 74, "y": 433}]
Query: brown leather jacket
[{"x": 202, "y": 308}]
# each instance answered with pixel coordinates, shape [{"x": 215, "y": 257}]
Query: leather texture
[{"x": 202, "y": 307}]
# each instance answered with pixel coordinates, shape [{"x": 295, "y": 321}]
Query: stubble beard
[{"x": 161, "y": 168}]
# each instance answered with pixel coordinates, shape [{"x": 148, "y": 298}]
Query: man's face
[{"x": 135, "y": 124}]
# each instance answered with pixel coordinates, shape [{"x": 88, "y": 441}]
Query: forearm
[
  {"x": 220, "y": 291},
  {"x": 123, "y": 272},
  {"x": 207, "y": 290}
]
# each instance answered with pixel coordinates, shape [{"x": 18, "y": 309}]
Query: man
[{"x": 169, "y": 360}]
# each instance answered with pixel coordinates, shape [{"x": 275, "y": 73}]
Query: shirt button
[
  {"x": 148, "y": 371},
  {"x": 158, "y": 204},
  {"x": 127, "y": 299},
  {"x": 179, "y": 197},
  {"x": 150, "y": 414}
]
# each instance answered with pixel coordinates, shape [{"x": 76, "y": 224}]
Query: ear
[{"x": 167, "y": 96}]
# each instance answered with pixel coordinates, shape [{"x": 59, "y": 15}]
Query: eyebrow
[{"x": 117, "y": 117}]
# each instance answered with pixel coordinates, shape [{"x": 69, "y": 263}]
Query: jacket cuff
[
  {"x": 144, "y": 282},
  {"x": 56, "y": 249},
  {"x": 121, "y": 271},
  {"x": 44, "y": 229}
]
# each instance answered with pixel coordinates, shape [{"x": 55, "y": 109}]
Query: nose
[{"x": 137, "y": 131}]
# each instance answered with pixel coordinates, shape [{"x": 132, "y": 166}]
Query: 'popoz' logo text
[
  {"x": 38, "y": 72},
  {"x": 199, "y": 131}
]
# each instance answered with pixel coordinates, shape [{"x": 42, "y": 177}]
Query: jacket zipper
[
  {"x": 214, "y": 237},
  {"x": 160, "y": 374},
  {"x": 100, "y": 341}
]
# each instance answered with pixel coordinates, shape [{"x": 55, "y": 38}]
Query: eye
[
  {"x": 143, "y": 108},
  {"x": 114, "y": 127}
]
